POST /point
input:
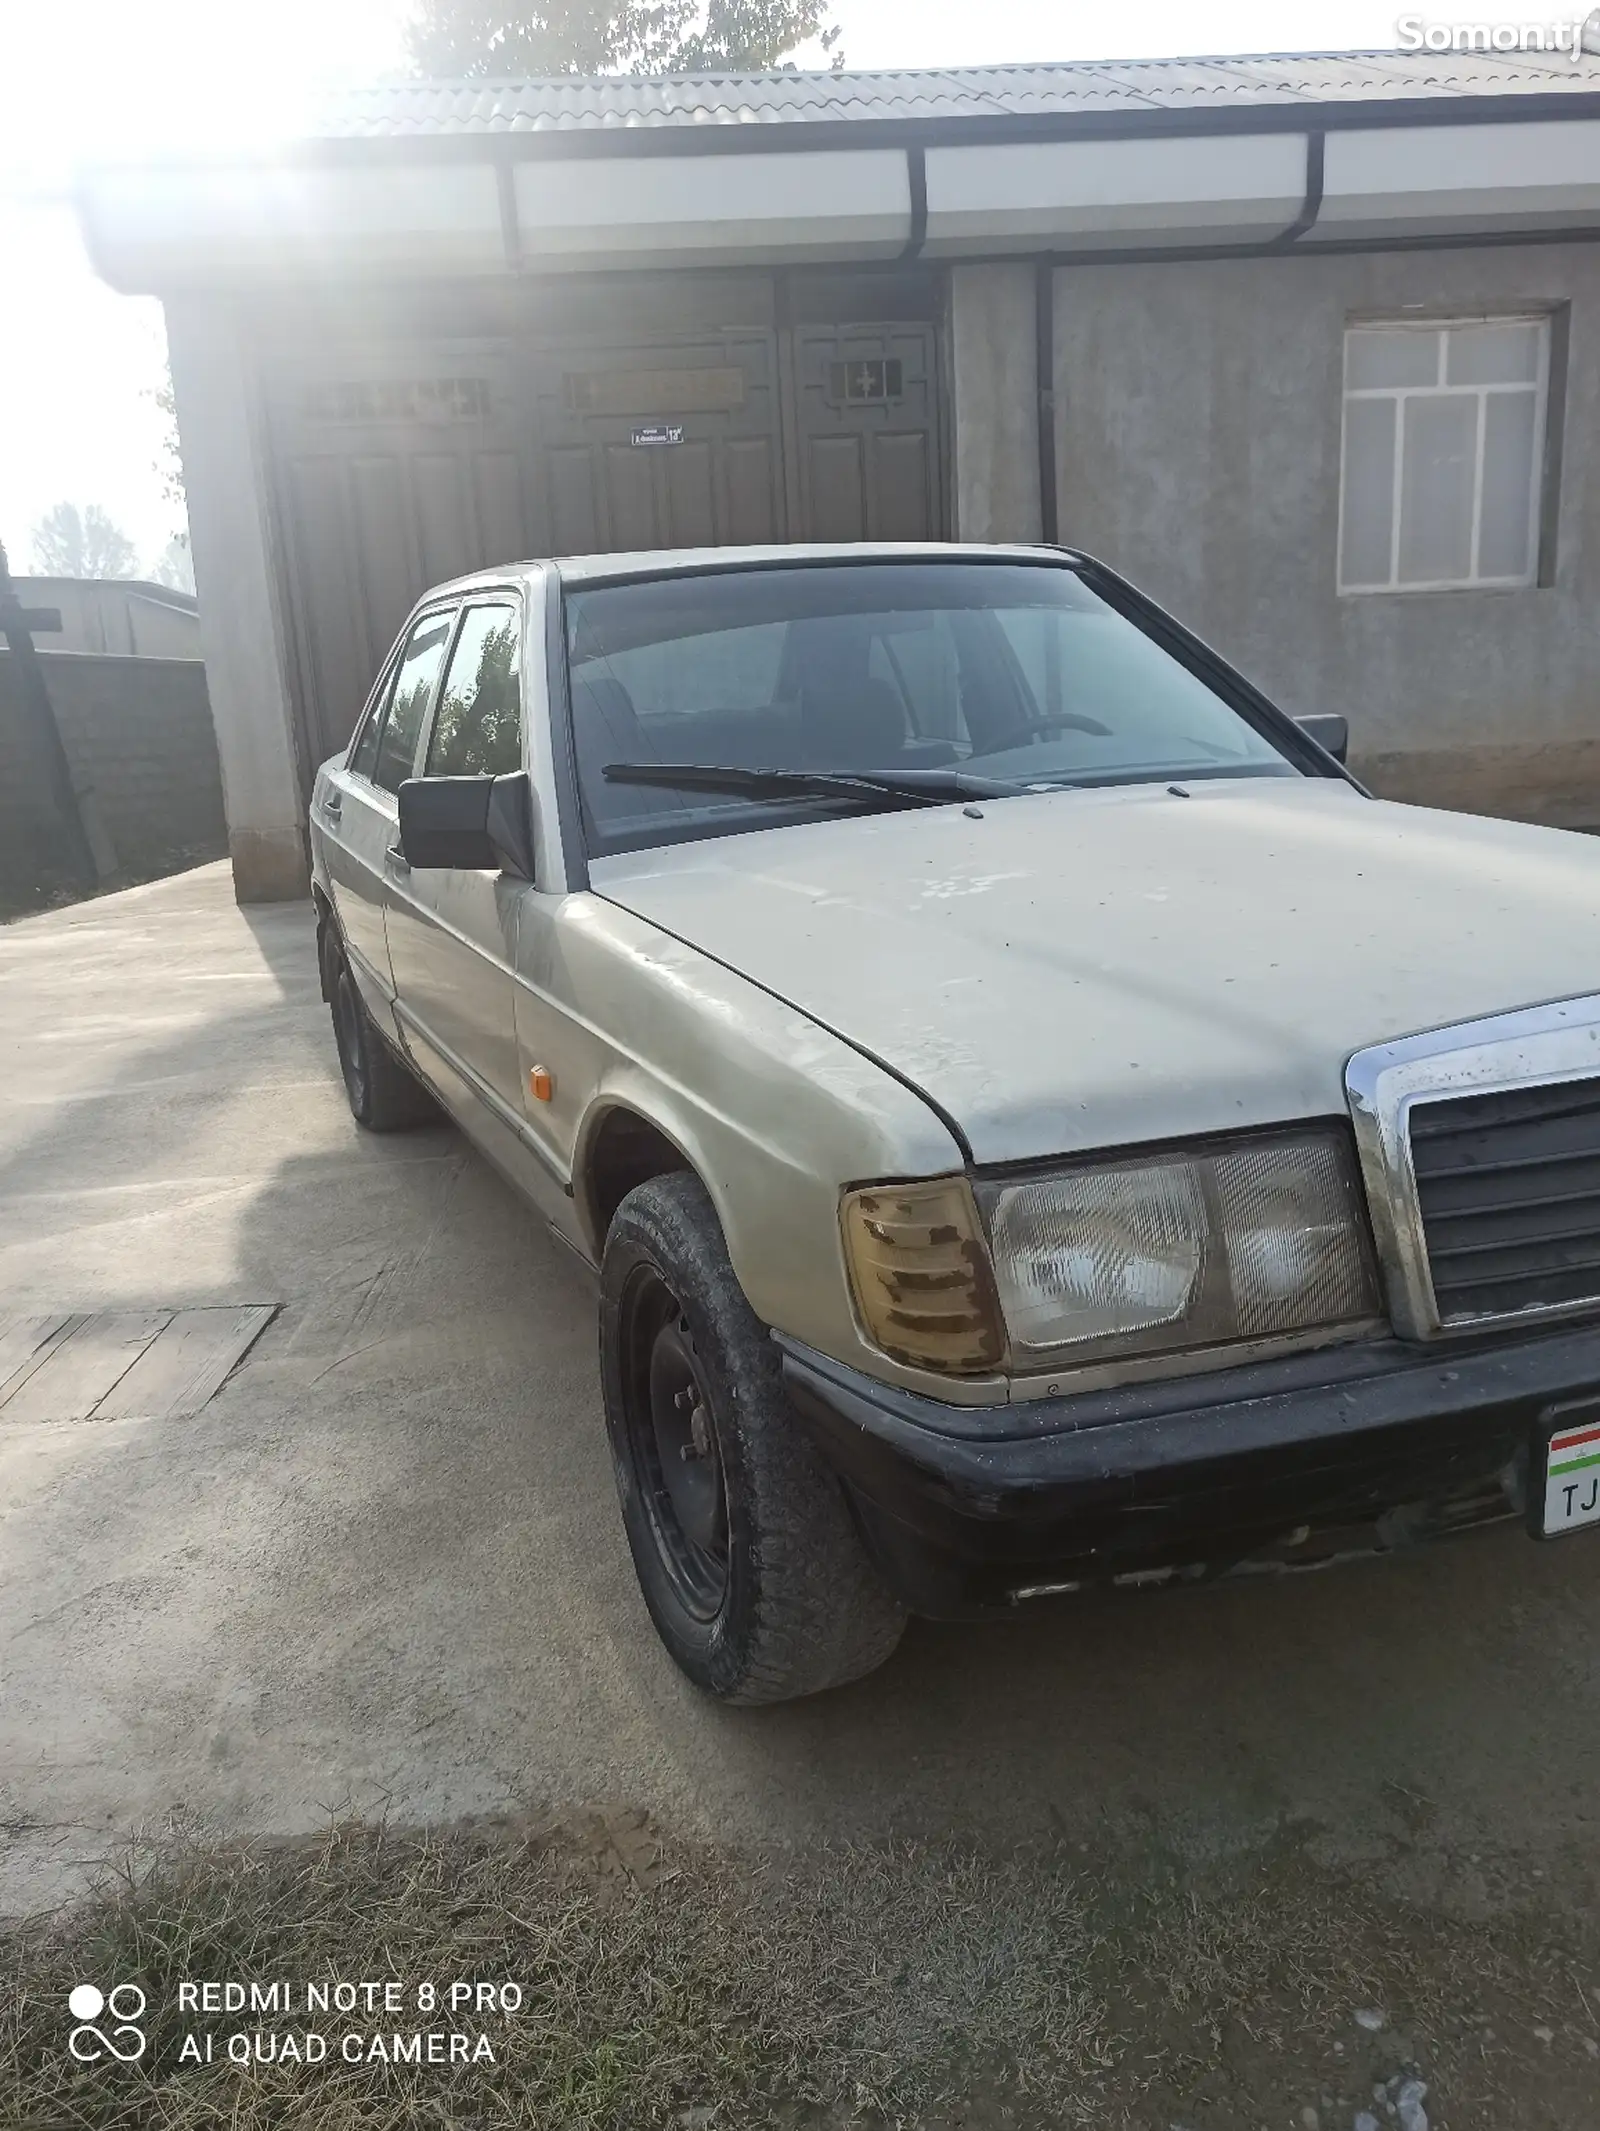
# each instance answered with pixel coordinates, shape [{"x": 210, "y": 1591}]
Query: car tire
[
  {"x": 744, "y": 1544},
  {"x": 384, "y": 1095}
]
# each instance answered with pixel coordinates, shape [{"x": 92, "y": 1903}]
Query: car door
[
  {"x": 359, "y": 808},
  {"x": 453, "y": 931}
]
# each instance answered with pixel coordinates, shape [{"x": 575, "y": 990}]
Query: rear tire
[
  {"x": 383, "y": 1094},
  {"x": 743, "y": 1542}
]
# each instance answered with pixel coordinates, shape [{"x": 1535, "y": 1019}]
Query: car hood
[{"x": 1086, "y": 969}]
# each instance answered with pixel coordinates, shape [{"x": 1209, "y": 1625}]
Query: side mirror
[
  {"x": 1329, "y": 730},
  {"x": 476, "y": 823}
]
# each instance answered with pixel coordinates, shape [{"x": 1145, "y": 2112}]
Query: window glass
[
  {"x": 1016, "y": 671},
  {"x": 1443, "y": 429},
  {"x": 1495, "y": 355},
  {"x": 1393, "y": 355},
  {"x": 413, "y": 687},
  {"x": 1368, "y": 535},
  {"x": 728, "y": 670},
  {"x": 1509, "y": 435},
  {"x": 477, "y": 729},
  {"x": 1436, "y": 474},
  {"x": 366, "y": 749}
]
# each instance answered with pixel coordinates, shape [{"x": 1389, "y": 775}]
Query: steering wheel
[{"x": 1032, "y": 729}]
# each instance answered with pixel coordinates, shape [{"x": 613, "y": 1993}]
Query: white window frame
[{"x": 1540, "y": 388}]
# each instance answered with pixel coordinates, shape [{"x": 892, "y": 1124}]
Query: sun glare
[{"x": 179, "y": 76}]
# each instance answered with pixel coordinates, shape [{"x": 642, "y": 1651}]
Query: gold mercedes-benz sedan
[{"x": 1034, "y": 1119}]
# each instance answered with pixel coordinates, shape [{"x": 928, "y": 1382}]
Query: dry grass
[{"x": 896, "y": 1985}]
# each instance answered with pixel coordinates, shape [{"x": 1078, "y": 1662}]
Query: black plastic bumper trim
[{"x": 961, "y": 1507}]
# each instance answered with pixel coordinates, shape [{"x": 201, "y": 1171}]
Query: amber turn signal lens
[
  {"x": 541, "y": 1083},
  {"x": 920, "y": 1273}
]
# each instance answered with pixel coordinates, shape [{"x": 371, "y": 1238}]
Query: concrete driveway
[{"x": 383, "y": 1567}]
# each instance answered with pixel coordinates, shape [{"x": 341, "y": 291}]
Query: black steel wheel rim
[
  {"x": 672, "y": 1444},
  {"x": 349, "y": 1036}
]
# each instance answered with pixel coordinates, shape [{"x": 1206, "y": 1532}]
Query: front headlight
[{"x": 1251, "y": 1241}]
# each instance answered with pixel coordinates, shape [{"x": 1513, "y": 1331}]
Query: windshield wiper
[{"x": 909, "y": 788}]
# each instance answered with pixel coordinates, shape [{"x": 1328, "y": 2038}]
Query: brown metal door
[
  {"x": 666, "y": 446},
  {"x": 390, "y": 479},
  {"x": 867, "y": 431}
]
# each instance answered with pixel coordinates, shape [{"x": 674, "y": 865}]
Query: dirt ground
[{"x": 382, "y": 1574}]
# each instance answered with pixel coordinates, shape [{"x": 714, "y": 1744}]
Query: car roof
[
  {"x": 667, "y": 562},
  {"x": 582, "y": 569}
]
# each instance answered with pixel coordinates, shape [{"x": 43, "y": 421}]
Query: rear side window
[
  {"x": 477, "y": 730},
  {"x": 408, "y": 706},
  {"x": 366, "y": 748}
]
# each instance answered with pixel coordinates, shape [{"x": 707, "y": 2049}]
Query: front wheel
[{"x": 743, "y": 1542}]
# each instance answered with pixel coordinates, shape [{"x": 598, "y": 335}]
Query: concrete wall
[
  {"x": 994, "y": 375},
  {"x": 138, "y": 737},
  {"x": 1198, "y": 429}
]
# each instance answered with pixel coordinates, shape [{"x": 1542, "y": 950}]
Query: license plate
[{"x": 1572, "y": 1477}]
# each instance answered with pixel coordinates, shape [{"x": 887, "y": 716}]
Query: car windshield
[{"x": 1015, "y": 672}]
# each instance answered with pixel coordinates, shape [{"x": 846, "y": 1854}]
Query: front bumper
[{"x": 1279, "y": 1465}]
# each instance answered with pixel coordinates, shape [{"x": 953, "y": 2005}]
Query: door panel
[
  {"x": 752, "y": 491},
  {"x": 867, "y": 420},
  {"x": 396, "y": 472},
  {"x": 361, "y": 813},
  {"x": 356, "y": 841},
  {"x": 901, "y": 464},
  {"x": 452, "y": 939},
  {"x": 630, "y": 493},
  {"x": 573, "y": 522},
  {"x": 689, "y": 508},
  {"x": 444, "y": 512},
  {"x": 837, "y": 495},
  {"x": 453, "y": 931},
  {"x": 608, "y": 487},
  {"x": 337, "y": 643}
]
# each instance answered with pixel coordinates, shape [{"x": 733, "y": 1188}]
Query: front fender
[{"x": 774, "y": 1113}]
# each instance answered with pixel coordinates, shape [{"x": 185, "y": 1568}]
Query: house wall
[
  {"x": 116, "y": 614},
  {"x": 993, "y": 334},
  {"x": 1198, "y": 411},
  {"x": 138, "y": 737},
  {"x": 238, "y": 576}
]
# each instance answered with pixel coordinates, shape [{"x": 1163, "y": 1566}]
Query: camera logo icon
[{"x": 124, "y": 2004}]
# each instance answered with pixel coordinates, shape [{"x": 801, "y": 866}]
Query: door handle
[
  {"x": 398, "y": 862},
  {"x": 332, "y": 806}
]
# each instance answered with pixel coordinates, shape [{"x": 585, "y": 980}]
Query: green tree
[
  {"x": 174, "y": 566},
  {"x": 169, "y": 467},
  {"x": 484, "y": 39},
  {"x": 69, "y": 542}
]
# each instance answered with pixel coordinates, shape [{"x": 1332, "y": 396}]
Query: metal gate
[
  {"x": 867, "y": 432},
  {"x": 396, "y": 470},
  {"x": 389, "y": 479},
  {"x": 660, "y": 446}
]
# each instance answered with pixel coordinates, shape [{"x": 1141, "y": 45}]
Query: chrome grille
[{"x": 1508, "y": 1187}]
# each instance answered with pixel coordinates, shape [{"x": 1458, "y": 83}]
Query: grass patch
[{"x": 669, "y": 1985}]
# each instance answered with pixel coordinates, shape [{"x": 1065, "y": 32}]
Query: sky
[{"x": 79, "y": 364}]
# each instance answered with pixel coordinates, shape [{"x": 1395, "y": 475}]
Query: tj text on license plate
[{"x": 1572, "y": 1477}]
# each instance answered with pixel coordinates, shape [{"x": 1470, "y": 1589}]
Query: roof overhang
[{"x": 1448, "y": 171}]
